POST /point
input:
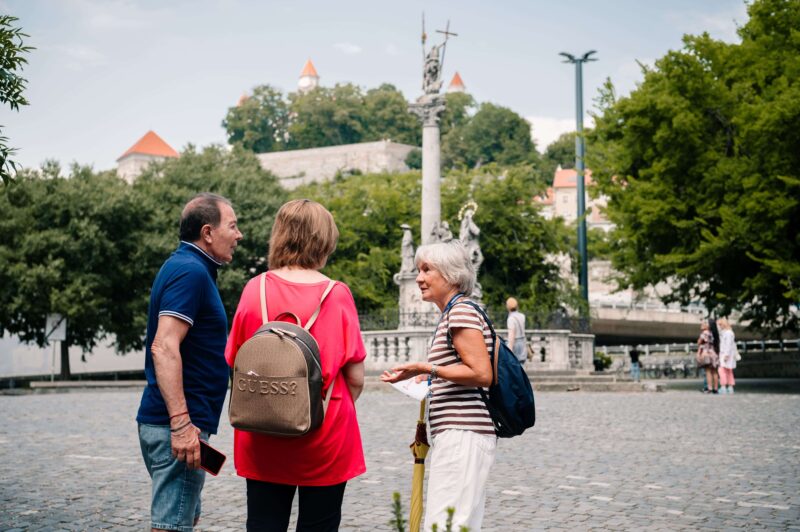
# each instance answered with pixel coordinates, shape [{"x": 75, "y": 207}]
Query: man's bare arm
[{"x": 169, "y": 376}]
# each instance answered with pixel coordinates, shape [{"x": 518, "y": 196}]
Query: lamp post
[{"x": 580, "y": 151}]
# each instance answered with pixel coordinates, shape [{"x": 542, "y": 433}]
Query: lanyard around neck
[{"x": 451, "y": 303}]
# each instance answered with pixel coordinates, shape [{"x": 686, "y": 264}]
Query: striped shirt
[{"x": 454, "y": 406}]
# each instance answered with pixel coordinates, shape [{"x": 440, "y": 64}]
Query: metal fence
[{"x": 672, "y": 361}]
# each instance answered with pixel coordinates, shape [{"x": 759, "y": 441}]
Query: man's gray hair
[{"x": 452, "y": 260}]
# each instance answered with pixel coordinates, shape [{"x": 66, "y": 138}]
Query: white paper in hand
[{"x": 412, "y": 388}]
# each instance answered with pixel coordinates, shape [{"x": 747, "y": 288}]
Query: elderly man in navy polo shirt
[{"x": 187, "y": 376}]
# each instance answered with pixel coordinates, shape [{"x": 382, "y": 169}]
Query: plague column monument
[
  {"x": 415, "y": 313},
  {"x": 429, "y": 108}
]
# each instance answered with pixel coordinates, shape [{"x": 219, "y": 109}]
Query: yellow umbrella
[{"x": 419, "y": 449}]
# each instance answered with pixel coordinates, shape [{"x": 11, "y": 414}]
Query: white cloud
[
  {"x": 348, "y": 48},
  {"x": 115, "y": 14},
  {"x": 546, "y": 129},
  {"x": 79, "y": 57}
]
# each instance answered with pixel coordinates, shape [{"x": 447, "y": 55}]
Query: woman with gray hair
[{"x": 464, "y": 441}]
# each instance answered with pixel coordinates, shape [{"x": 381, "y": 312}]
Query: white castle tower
[
  {"x": 309, "y": 79},
  {"x": 150, "y": 148}
]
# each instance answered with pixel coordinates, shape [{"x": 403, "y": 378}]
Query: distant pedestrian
[
  {"x": 707, "y": 353},
  {"x": 516, "y": 330},
  {"x": 187, "y": 376},
  {"x": 727, "y": 356},
  {"x": 635, "y": 368}
]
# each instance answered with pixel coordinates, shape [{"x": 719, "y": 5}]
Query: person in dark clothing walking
[{"x": 635, "y": 367}]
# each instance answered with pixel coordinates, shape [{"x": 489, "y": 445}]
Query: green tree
[
  {"x": 71, "y": 245},
  {"x": 559, "y": 152},
  {"x": 494, "y": 135},
  {"x": 12, "y": 85},
  {"x": 328, "y": 117},
  {"x": 701, "y": 166},
  {"x": 88, "y": 246},
  {"x": 387, "y": 116},
  {"x": 260, "y": 123},
  {"x": 459, "y": 107}
]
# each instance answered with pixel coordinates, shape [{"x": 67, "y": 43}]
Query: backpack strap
[
  {"x": 495, "y": 351},
  {"x": 307, "y": 327},
  {"x": 314, "y": 316},
  {"x": 263, "y": 294},
  {"x": 328, "y": 395},
  {"x": 263, "y": 297}
]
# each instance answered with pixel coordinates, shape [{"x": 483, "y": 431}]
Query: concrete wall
[{"x": 300, "y": 167}]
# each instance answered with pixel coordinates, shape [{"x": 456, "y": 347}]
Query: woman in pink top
[{"x": 320, "y": 463}]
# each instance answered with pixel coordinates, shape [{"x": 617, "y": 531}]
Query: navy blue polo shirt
[{"x": 186, "y": 288}]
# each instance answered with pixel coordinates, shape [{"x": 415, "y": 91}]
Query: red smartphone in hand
[{"x": 211, "y": 460}]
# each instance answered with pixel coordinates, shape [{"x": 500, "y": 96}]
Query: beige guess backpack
[{"x": 276, "y": 385}]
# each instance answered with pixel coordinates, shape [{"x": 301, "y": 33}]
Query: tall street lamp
[{"x": 580, "y": 151}]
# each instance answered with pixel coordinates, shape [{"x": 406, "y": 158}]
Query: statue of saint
[
  {"x": 469, "y": 237},
  {"x": 441, "y": 232},
  {"x": 432, "y": 71},
  {"x": 407, "y": 251}
]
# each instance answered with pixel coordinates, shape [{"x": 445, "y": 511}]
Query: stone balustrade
[{"x": 553, "y": 350}]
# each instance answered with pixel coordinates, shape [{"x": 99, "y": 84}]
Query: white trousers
[{"x": 459, "y": 470}]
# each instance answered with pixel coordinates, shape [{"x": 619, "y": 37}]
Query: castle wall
[{"x": 300, "y": 167}]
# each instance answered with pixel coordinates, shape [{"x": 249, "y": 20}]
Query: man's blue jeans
[{"x": 175, "y": 501}]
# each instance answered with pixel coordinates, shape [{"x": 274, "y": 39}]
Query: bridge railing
[
  {"x": 651, "y": 305},
  {"x": 678, "y": 359}
]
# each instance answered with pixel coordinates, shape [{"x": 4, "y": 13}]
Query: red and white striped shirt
[{"x": 455, "y": 406}]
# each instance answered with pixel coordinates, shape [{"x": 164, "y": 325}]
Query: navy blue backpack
[{"x": 510, "y": 401}]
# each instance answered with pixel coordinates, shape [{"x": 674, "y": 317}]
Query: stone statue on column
[
  {"x": 441, "y": 233},
  {"x": 429, "y": 107},
  {"x": 468, "y": 235},
  {"x": 407, "y": 251}
]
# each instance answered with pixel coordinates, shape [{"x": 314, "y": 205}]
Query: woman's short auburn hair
[{"x": 304, "y": 235}]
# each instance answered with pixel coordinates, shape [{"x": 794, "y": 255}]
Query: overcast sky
[{"x": 106, "y": 71}]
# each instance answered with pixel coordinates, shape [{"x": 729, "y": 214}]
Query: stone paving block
[{"x": 611, "y": 446}]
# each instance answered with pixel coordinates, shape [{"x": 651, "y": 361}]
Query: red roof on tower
[
  {"x": 309, "y": 70},
  {"x": 151, "y": 144},
  {"x": 457, "y": 82}
]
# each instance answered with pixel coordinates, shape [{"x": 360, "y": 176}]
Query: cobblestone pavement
[{"x": 614, "y": 461}]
